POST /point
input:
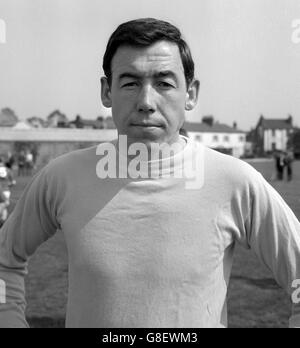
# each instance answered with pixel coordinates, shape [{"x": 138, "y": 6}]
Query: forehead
[{"x": 160, "y": 56}]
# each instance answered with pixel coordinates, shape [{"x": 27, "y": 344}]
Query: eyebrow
[
  {"x": 167, "y": 73},
  {"x": 128, "y": 76},
  {"x": 160, "y": 74}
]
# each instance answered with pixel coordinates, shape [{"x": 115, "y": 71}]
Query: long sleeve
[
  {"x": 273, "y": 233},
  {"x": 31, "y": 223}
]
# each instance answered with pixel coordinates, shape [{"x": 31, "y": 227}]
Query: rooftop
[
  {"x": 214, "y": 128},
  {"x": 277, "y": 123}
]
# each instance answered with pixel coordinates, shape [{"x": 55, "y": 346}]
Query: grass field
[{"x": 255, "y": 300}]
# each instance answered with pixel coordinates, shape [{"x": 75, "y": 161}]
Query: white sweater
[{"x": 148, "y": 252}]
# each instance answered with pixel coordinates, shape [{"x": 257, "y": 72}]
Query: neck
[{"x": 153, "y": 150}]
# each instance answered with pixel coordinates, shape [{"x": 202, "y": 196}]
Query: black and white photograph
[{"x": 149, "y": 166}]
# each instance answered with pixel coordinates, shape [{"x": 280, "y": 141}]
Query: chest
[{"x": 135, "y": 235}]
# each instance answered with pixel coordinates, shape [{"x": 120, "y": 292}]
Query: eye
[
  {"x": 165, "y": 85},
  {"x": 129, "y": 85}
]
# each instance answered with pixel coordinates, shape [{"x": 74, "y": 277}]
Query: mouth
[{"x": 146, "y": 125}]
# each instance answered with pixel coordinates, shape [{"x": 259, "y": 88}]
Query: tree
[
  {"x": 8, "y": 117},
  {"x": 57, "y": 119}
]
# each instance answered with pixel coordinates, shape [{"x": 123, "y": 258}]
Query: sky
[{"x": 243, "y": 50}]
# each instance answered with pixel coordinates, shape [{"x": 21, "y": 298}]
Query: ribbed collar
[{"x": 154, "y": 168}]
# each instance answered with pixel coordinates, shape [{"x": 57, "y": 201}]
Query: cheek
[
  {"x": 122, "y": 109},
  {"x": 122, "y": 101},
  {"x": 174, "y": 100},
  {"x": 173, "y": 108}
]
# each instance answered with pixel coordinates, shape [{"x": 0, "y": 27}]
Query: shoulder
[
  {"x": 71, "y": 163},
  {"x": 76, "y": 164},
  {"x": 228, "y": 169}
]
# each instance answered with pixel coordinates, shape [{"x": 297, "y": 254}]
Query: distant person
[
  {"x": 28, "y": 163},
  {"x": 280, "y": 164},
  {"x": 149, "y": 245},
  {"x": 288, "y": 161},
  {"x": 6, "y": 181},
  {"x": 21, "y": 163},
  {"x": 10, "y": 160}
]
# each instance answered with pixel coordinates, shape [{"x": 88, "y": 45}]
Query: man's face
[{"x": 148, "y": 93}]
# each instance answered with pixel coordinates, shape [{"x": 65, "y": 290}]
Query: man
[
  {"x": 288, "y": 161},
  {"x": 148, "y": 250},
  {"x": 280, "y": 164}
]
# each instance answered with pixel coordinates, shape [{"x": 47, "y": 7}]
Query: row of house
[
  {"x": 221, "y": 137},
  {"x": 55, "y": 120},
  {"x": 268, "y": 135},
  {"x": 271, "y": 135}
]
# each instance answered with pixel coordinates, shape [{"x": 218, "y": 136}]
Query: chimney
[
  {"x": 290, "y": 120},
  {"x": 208, "y": 120},
  {"x": 234, "y": 125}
]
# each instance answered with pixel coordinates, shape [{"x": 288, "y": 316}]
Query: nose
[{"x": 146, "y": 101}]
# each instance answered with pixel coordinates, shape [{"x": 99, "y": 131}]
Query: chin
[{"x": 146, "y": 134}]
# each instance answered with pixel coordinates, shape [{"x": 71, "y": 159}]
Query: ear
[
  {"x": 192, "y": 95},
  {"x": 105, "y": 93}
]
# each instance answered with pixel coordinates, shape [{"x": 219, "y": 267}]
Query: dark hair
[{"x": 143, "y": 33}]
